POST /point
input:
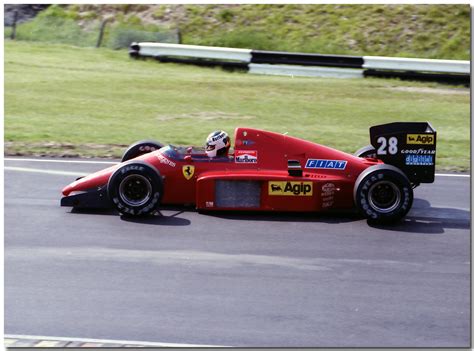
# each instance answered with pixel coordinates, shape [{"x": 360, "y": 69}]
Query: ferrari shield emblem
[{"x": 188, "y": 171}]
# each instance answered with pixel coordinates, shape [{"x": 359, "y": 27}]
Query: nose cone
[
  {"x": 70, "y": 188},
  {"x": 67, "y": 189},
  {"x": 91, "y": 181},
  {"x": 81, "y": 184}
]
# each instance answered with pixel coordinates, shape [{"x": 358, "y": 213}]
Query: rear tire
[
  {"x": 383, "y": 194},
  {"x": 135, "y": 189},
  {"x": 366, "y": 152},
  {"x": 140, "y": 148}
]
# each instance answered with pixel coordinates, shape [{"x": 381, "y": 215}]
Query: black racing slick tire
[
  {"x": 140, "y": 148},
  {"x": 135, "y": 189},
  {"x": 383, "y": 194},
  {"x": 366, "y": 152}
]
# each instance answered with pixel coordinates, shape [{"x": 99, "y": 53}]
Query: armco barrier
[
  {"x": 313, "y": 65},
  {"x": 420, "y": 76},
  {"x": 420, "y": 65},
  {"x": 303, "y": 59},
  {"x": 305, "y": 71},
  {"x": 207, "y": 52},
  {"x": 231, "y": 65}
]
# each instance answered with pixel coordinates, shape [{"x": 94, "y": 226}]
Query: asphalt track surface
[{"x": 235, "y": 279}]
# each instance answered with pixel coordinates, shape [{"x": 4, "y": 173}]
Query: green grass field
[{"x": 62, "y": 100}]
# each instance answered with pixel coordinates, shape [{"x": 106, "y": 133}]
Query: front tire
[
  {"x": 135, "y": 189},
  {"x": 383, "y": 194}
]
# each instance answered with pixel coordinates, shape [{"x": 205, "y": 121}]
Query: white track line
[
  {"x": 105, "y": 341},
  {"x": 47, "y": 171},
  {"x": 452, "y": 175},
  {"x": 61, "y": 161},
  {"x": 114, "y": 163}
]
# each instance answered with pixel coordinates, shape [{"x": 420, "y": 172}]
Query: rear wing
[{"x": 410, "y": 146}]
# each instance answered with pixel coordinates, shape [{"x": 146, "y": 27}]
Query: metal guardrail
[
  {"x": 303, "y": 64},
  {"x": 304, "y": 59},
  {"x": 207, "y": 52},
  {"x": 305, "y": 71},
  {"x": 449, "y": 78},
  {"x": 412, "y": 64}
]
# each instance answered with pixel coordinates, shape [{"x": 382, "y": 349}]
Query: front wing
[{"x": 93, "y": 199}]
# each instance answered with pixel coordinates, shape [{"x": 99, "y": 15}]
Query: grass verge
[
  {"x": 62, "y": 100},
  {"x": 439, "y": 31}
]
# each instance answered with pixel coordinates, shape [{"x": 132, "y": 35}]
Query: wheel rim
[
  {"x": 384, "y": 196},
  {"x": 135, "y": 190}
]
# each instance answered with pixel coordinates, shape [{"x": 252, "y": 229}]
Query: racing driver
[{"x": 218, "y": 144}]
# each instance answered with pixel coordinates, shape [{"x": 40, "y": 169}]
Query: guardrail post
[
  {"x": 15, "y": 18},
  {"x": 101, "y": 33},
  {"x": 178, "y": 35}
]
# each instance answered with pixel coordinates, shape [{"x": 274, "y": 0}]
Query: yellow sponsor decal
[
  {"x": 188, "y": 171},
  {"x": 290, "y": 188},
  {"x": 423, "y": 139}
]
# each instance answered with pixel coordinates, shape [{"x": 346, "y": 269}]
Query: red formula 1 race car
[{"x": 268, "y": 171}]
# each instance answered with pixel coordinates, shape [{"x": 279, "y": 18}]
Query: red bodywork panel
[{"x": 254, "y": 177}]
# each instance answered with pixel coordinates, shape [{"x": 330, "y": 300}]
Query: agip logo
[
  {"x": 420, "y": 139},
  {"x": 290, "y": 188}
]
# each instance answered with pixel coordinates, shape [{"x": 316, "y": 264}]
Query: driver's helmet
[{"x": 217, "y": 144}]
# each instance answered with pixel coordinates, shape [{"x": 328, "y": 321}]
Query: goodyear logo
[
  {"x": 423, "y": 139},
  {"x": 290, "y": 188}
]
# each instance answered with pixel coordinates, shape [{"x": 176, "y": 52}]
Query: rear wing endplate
[{"x": 410, "y": 146}]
